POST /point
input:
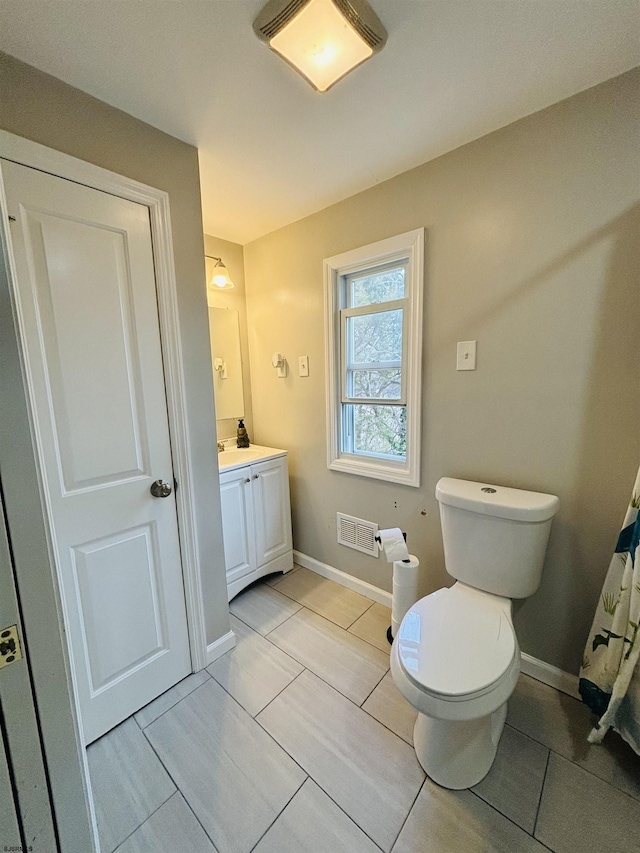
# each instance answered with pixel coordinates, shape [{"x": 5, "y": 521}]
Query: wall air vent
[{"x": 357, "y": 533}]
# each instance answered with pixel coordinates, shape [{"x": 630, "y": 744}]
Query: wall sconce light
[
  {"x": 219, "y": 278},
  {"x": 280, "y": 362},
  {"x": 322, "y": 39}
]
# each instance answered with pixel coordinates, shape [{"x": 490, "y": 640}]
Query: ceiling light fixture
[
  {"x": 322, "y": 39},
  {"x": 219, "y": 278}
]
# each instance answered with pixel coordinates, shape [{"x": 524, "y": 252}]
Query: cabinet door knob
[
  {"x": 247, "y": 479},
  {"x": 255, "y": 476}
]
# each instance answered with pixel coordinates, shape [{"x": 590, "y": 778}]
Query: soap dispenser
[{"x": 243, "y": 437}]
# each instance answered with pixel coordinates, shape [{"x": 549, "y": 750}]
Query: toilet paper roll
[
  {"x": 393, "y": 544},
  {"x": 405, "y": 590}
]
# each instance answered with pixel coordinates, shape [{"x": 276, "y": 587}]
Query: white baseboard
[
  {"x": 220, "y": 646},
  {"x": 538, "y": 669},
  {"x": 354, "y": 584},
  {"x": 551, "y": 675}
]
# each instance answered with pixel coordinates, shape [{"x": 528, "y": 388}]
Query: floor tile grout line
[
  {"x": 148, "y": 817},
  {"x": 254, "y": 718},
  {"x": 268, "y": 637},
  {"x": 328, "y": 683},
  {"x": 497, "y": 810},
  {"x": 306, "y": 772},
  {"x": 395, "y": 734},
  {"x": 273, "y": 698},
  {"x": 571, "y": 761},
  {"x": 345, "y": 813},
  {"x": 178, "y": 788},
  {"x": 301, "y": 608},
  {"x": 415, "y": 799},
  {"x": 373, "y": 645},
  {"x": 304, "y": 606},
  {"x": 286, "y": 619},
  {"x": 324, "y": 681},
  {"x": 544, "y": 782},
  {"x": 286, "y": 654},
  {"x": 279, "y": 745},
  {"x": 328, "y": 580},
  {"x": 282, "y": 811},
  {"x": 373, "y": 689},
  {"x": 363, "y": 612},
  {"x": 143, "y": 728}
]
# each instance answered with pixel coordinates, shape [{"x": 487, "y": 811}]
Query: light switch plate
[
  {"x": 466, "y": 359},
  {"x": 303, "y": 365}
]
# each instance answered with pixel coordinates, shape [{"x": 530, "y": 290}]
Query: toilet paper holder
[
  {"x": 378, "y": 539},
  {"x": 405, "y": 588}
]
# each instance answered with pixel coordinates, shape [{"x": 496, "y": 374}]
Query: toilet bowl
[
  {"x": 456, "y": 660},
  {"x": 456, "y": 657}
]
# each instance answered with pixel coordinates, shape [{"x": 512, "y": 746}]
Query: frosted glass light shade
[
  {"x": 320, "y": 44},
  {"x": 322, "y": 39},
  {"x": 218, "y": 277}
]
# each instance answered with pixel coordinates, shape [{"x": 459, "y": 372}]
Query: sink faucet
[{"x": 220, "y": 446}]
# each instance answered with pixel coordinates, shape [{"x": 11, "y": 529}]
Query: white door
[{"x": 87, "y": 302}]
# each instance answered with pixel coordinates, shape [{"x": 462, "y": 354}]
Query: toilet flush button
[{"x": 466, "y": 359}]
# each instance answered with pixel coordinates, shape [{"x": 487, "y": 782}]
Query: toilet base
[{"x": 458, "y": 753}]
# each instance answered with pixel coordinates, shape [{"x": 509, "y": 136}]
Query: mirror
[{"x": 224, "y": 332}]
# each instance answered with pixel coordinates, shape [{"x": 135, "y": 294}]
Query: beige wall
[
  {"x": 533, "y": 251},
  {"x": 233, "y": 258},
  {"x": 41, "y": 108}
]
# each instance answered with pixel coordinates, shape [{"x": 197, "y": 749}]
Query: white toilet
[{"x": 455, "y": 657}]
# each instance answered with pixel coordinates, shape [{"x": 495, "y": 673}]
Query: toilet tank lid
[{"x": 498, "y": 501}]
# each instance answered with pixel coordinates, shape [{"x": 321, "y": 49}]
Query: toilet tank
[{"x": 495, "y": 538}]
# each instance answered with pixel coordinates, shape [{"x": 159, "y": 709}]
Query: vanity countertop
[{"x": 236, "y": 457}]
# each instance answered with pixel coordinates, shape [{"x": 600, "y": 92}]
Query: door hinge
[
  {"x": 175, "y": 485},
  {"x": 9, "y": 646}
]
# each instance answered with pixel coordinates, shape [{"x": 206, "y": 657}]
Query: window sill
[{"x": 377, "y": 469}]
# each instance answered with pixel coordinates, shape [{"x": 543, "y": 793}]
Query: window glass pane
[
  {"x": 376, "y": 287},
  {"x": 381, "y": 430},
  {"x": 375, "y": 383},
  {"x": 375, "y": 338}
]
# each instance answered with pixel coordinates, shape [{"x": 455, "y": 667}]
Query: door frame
[
  {"x": 28, "y": 153},
  {"x": 21, "y": 747}
]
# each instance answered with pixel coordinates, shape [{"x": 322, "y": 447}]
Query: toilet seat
[{"x": 457, "y": 643}]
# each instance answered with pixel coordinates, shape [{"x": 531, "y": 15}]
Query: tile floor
[{"x": 297, "y": 741}]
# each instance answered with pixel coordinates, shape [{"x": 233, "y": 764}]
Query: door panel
[
  {"x": 87, "y": 301},
  {"x": 102, "y": 570},
  {"x": 89, "y": 345}
]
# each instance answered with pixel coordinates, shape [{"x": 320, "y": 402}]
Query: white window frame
[{"x": 409, "y": 248}]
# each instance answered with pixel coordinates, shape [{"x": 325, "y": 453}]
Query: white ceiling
[{"x": 272, "y": 150}]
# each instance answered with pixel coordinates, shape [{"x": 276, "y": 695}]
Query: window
[{"x": 374, "y": 347}]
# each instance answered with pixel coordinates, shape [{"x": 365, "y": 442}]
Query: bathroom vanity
[{"x": 256, "y": 514}]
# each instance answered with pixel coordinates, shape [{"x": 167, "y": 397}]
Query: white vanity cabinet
[{"x": 256, "y": 515}]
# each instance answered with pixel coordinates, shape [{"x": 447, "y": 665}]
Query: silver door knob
[{"x": 160, "y": 489}]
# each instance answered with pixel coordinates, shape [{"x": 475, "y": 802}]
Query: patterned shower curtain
[{"x": 610, "y": 674}]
